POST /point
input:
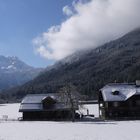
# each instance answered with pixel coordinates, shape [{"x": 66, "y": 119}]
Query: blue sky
[
  {"x": 22, "y": 20},
  {"x": 83, "y": 24}
]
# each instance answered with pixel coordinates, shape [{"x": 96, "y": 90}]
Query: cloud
[
  {"x": 67, "y": 11},
  {"x": 91, "y": 24}
]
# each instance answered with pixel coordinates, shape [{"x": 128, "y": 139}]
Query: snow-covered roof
[
  {"x": 37, "y": 98},
  {"x": 39, "y": 107},
  {"x": 125, "y": 91},
  {"x": 33, "y": 107},
  {"x": 33, "y": 102}
]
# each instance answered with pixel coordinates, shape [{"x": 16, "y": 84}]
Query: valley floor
[{"x": 43, "y": 130}]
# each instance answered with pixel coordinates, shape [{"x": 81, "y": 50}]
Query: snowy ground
[
  {"x": 14, "y": 130},
  {"x": 10, "y": 110}
]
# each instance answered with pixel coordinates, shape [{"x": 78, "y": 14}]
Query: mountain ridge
[
  {"x": 116, "y": 61},
  {"x": 14, "y": 72}
]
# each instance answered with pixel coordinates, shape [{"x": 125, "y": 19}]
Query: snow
[
  {"x": 10, "y": 110},
  {"x": 93, "y": 109},
  {"x": 11, "y": 67},
  {"x": 13, "y": 63},
  {"x": 43, "y": 130},
  {"x": 125, "y": 91}
]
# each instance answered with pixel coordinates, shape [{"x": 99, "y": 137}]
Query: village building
[
  {"x": 45, "y": 107},
  {"x": 120, "y": 101}
]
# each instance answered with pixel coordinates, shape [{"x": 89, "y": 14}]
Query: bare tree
[{"x": 70, "y": 96}]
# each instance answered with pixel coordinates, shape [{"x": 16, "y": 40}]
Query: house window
[
  {"x": 116, "y": 104},
  {"x": 106, "y": 105}
]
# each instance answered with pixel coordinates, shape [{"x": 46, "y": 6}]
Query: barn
[
  {"x": 120, "y": 101},
  {"x": 45, "y": 107}
]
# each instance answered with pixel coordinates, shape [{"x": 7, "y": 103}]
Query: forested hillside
[{"x": 116, "y": 61}]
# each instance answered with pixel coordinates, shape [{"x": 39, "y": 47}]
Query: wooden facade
[
  {"x": 119, "y": 108},
  {"x": 47, "y": 115}
]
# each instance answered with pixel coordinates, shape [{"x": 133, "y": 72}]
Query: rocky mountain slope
[{"x": 14, "y": 72}]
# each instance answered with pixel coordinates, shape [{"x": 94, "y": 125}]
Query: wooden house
[
  {"x": 120, "y": 101},
  {"x": 45, "y": 107}
]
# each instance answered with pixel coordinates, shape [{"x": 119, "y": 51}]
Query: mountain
[
  {"x": 14, "y": 72},
  {"x": 116, "y": 61}
]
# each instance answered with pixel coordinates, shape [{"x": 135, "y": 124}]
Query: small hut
[{"x": 45, "y": 107}]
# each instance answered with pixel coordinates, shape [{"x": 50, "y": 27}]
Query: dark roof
[
  {"x": 33, "y": 102},
  {"x": 124, "y": 90}
]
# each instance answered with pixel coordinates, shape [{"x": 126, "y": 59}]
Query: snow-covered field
[
  {"x": 15, "y": 130},
  {"x": 10, "y": 110}
]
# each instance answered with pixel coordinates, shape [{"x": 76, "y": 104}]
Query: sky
[
  {"x": 21, "y": 21},
  {"x": 41, "y": 32}
]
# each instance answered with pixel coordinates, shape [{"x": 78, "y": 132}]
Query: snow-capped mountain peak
[
  {"x": 12, "y": 64},
  {"x": 14, "y": 72}
]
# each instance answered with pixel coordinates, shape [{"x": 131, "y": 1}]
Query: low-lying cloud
[{"x": 88, "y": 25}]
